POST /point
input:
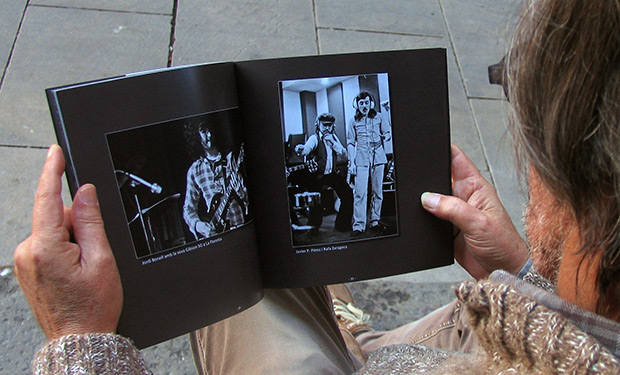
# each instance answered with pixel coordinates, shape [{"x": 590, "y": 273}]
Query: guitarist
[
  {"x": 324, "y": 147},
  {"x": 213, "y": 181}
]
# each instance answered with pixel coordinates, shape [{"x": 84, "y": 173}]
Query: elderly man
[{"x": 564, "y": 83}]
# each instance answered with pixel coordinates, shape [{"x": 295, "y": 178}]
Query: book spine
[{"x": 63, "y": 142}]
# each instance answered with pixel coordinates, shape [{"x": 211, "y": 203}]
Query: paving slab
[
  {"x": 172, "y": 357},
  {"x": 492, "y": 119},
  {"x": 59, "y": 46},
  {"x": 391, "y": 304},
  {"x": 10, "y": 18},
  {"x": 143, "y": 6},
  {"x": 422, "y": 17},
  {"x": 463, "y": 130},
  {"x": 448, "y": 274},
  {"x": 66, "y": 41},
  {"x": 223, "y": 30},
  {"x": 18, "y": 181},
  {"x": 20, "y": 336},
  {"x": 479, "y": 32}
]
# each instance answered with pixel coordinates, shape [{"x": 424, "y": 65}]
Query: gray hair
[{"x": 563, "y": 74}]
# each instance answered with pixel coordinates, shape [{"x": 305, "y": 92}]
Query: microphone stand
[{"x": 148, "y": 235}]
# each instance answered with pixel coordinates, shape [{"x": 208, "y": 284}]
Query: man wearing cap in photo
[
  {"x": 324, "y": 146},
  {"x": 366, "y": 133}
]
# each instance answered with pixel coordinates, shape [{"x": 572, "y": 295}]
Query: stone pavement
[{"x": 45, "y": 43}]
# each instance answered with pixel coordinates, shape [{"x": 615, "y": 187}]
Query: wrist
[
  {"x": 525, "y": 269},
  {"x": 522, "y": 261}
]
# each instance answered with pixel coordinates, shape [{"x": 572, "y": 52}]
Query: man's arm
[
  {"x": 386, "y": 127},
  {"x": 89, "y": 353},
  {"x": 351, "y": 139},
  {"x": 193, "y": 196},
  {"x": 237, "y": 181},
  {"x": 308, "y": 147}
]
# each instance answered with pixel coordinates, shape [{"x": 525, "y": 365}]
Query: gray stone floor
[{"x": 46, "y": 43}]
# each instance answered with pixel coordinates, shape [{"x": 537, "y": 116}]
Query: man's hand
[
  {"x": 329, "y": 139},
  {"x": 205, "y": 229},
  {"x": 71, "y": 286},
  {"x": 487, "y": 238},
  {"x": 352, "y": 168},
  {"x": 299, "y": 148}
]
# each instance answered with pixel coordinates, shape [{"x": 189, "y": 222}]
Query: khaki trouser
[
  {"x": 445, "y": 328},
  {"x": 294, "y": 331}
]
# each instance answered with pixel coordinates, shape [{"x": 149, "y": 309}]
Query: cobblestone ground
[{"x": 47, "y": 43}]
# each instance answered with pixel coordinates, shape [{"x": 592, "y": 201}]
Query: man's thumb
[
  {"x": 450, "y": 208},
  {"x": 87, "y": 222}
]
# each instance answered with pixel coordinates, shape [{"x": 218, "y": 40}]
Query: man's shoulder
[
  {"x": 313, "y": 140},
  {"x": 196, "y": 163},
  {"x": 196, "y": 166}
]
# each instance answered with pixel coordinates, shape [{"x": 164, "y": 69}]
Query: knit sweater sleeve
[
  {"x": 94, "y": 353},
  {"x": 530, "y": 274}
]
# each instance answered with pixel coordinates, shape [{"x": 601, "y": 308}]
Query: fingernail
[
  {"x": 430, "y": 200},
  {"x": 50, "y": 151},
  {"x": 88, "y": 195}
]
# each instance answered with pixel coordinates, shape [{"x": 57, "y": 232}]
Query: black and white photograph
[
  {"x": 337, "y": 135},
  {"x": 181, "y": 181}
]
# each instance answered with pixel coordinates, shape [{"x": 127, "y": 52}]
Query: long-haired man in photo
[
  {"x": 215, "y": 194},
  {"x": 366, "y": 133}
]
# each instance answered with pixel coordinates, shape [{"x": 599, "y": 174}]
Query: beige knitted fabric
[
  {"x": 96, "y": 353},
  {"x": 519, "y": 335}
]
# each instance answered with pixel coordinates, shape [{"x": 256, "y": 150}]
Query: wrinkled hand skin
[
  {"x": 73, "y": 287},
  {"x": 487, "y": 239}
]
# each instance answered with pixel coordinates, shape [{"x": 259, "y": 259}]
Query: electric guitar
[
  {"x": 221, "y": 201},
  {"x": 311, "y": 165}
]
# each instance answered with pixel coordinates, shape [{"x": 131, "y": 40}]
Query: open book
[{"x": 219, "y": 180}]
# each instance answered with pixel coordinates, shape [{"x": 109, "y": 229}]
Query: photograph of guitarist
[
  {"x": 324, "y": 147},
  {"x": 214, "y": 181}
]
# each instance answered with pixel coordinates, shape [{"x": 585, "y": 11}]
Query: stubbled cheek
[
  {"x": 547, "y": 223},
  {"x": 546, "y": 235}
]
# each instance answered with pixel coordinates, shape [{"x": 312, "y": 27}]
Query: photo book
[{"x": 219, "y": 180}]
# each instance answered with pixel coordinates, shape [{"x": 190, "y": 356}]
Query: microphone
[{"x": 155, "y": 189}]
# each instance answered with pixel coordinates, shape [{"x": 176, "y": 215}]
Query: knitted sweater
[
  {"x": 521, "y": 330},
  {"x": 95, "y": 353}
]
